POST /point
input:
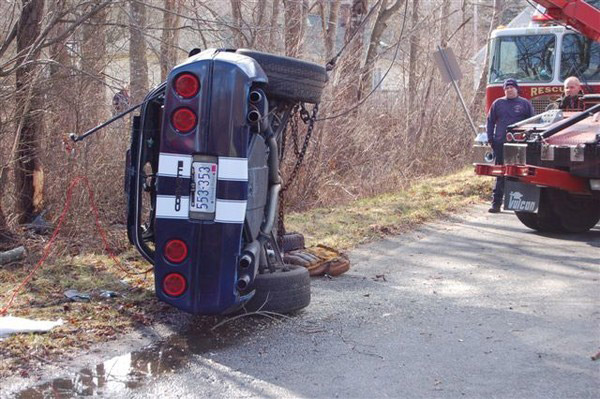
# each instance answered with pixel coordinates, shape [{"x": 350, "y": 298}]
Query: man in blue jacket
[{"x": 504, "y": 112}]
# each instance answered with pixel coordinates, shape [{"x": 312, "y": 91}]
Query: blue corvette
[{"x": 203, "y": 181}]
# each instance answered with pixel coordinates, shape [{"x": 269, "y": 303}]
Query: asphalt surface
[{"x": 477, "y": 306}]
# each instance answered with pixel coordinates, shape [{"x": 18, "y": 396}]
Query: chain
[{"x": 309, "y": 120}]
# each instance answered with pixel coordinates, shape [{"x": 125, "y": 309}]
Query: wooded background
[{"x": 386, "y": 116}]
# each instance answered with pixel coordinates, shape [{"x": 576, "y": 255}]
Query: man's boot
[{"x": 495, "y": 208}]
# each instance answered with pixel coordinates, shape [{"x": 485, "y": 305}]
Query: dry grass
[
  {"x": 85, "y": 323},
  {"x": 368, "y": 219},
  {"x": 104, "y": 319}
]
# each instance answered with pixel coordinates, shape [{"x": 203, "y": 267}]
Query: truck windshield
[
  {"x": 527, "y": 58},
  {"x": 580, "y": 57}
]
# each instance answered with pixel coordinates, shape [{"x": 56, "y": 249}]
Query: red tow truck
[{"x": 552, "y": 160}]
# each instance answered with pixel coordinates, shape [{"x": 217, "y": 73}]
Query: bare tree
[
  {"x": 412, "y": 57},
  {"x": 385, "y": 13},
  {"x": 170, "y": 36},
  {"x": 295, "y": 14},
  {"x": 29, "y": 176},
  {"x": 476, "y": 104},
  {"x": 273, "y": 24},
  {"x": 236, "y": 13},
  {"x": 349, "y": 70},
  {"x": 329, "y": 20},
  {"x": 259, "y": 38},
  {"x": 138, "y": 63},
  {"x": 93, "y": 61}
]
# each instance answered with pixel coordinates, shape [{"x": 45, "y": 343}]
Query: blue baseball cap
[{"x": 510, "y": 82}]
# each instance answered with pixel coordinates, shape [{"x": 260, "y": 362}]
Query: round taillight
[
  {"x": 184, "y": 120},
  {"x": 187, "y": 85},
  {"x": 176, "y": 251},
  {"x": 174, "y": 284}
]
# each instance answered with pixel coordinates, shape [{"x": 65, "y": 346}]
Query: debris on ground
[
  {"x": 596, "y": 356},
  {"x": 12, "y": 255},
  {"x": 108, "y": 294},
  {"x": 39, "y": 225},
  {"x": 17, "y": 325},
  {"x": 319, "y": 260},
  {"x": 77, "y": 296}
]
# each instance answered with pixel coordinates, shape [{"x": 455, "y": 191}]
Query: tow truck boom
[{"x": 583, "y": 15}]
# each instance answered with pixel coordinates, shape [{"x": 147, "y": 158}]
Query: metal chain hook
[{"x": 307, "y": 119}]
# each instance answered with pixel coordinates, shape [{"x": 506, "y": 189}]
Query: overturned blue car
[{"x": 203, "y": 181}]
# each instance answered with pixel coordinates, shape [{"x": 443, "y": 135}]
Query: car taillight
[
  {"x": 187, "y": 85},
  {"x": 184, "y": 120},
  {"x": 176, "y": 251},
  {"x": 174, "y": 284}
]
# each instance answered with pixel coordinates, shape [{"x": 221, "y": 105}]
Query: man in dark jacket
[
  {"x": 572, "y": 98},
  {"x": 504, "y": 112}
]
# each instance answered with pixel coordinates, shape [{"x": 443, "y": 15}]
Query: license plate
[
  {"x": 203, "y": 190},
  {"x": 521, "y": 197}
]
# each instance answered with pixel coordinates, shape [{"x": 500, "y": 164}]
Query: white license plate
[{"x": 204, "y": 187}]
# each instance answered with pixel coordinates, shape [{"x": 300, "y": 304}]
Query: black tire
[
  {"x": 577, "y": 213},
  {"x": 291, "y": 78},
  {"x": 545, "y": 220},
  {"x": 292, "y": 242},
  {"x": 283, "y": 291}
]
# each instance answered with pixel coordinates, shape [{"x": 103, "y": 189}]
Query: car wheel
[
  {"x": 291, "y": 78},
  {"x": 292, "y": 242},
  {"x": 283, "y": 291}
]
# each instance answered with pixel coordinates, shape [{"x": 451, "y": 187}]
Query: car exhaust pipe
[
  {"x": 249, "y": 260},
  {"x": 243, "y": 282},
  {"x": 273, "y": 158},
  {"x": 254, "y": 117},
  {"x": 255, "y": 97}
]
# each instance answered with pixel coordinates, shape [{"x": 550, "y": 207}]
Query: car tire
[
  {"x": 283, "y": 291},
  {"x": 291, "y": 242},
  {"x": 290, "y": 78},
  {"x": 577, "y": 213}
]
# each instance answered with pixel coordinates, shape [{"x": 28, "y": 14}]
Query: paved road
[{"x": 478, "y": 306}]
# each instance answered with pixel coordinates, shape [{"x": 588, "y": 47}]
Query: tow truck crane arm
[{"x": 583, "y": 15}]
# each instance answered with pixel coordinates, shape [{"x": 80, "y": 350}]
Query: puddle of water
[{"x": 133, "y": 369}]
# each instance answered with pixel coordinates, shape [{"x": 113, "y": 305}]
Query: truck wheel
[
  {"x": 292, "y": 242},
  {"x": 284, "y": 291},
  {"x": 528, "y": 219},
  {"x": 545, "y": 220},
  {"x": 577, "y": 213},
  {"x": 291, "y": 78}
]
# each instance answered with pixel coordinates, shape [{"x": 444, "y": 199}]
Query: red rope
[{"x": 61, "y": 219}]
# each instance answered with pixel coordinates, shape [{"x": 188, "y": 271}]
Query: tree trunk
[
  {"x": 378, "y": 29},
  {"x": 412, "y": 59},
  {"x": 478, "y": 99},
  {"x": 330, "y": 27},
  {"x": 444, "y": 12},
  {"x": 259, "y": 38},
  {"x": 236, "y": 13},
  {"x": 93, "y": 61},
  {"x": 28, "y": 169},
  {"x": 138, "y": 64},
  {"x": 295, "y": 15},
  {"x": 5, "y": 233},
  {"x": 274, "y": 26},
  {"x": 170, "y": 37},
  {"x": 349, "y": 80}
]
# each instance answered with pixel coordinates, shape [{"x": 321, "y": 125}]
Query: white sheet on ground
[{"x": 16, "y": 325}]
